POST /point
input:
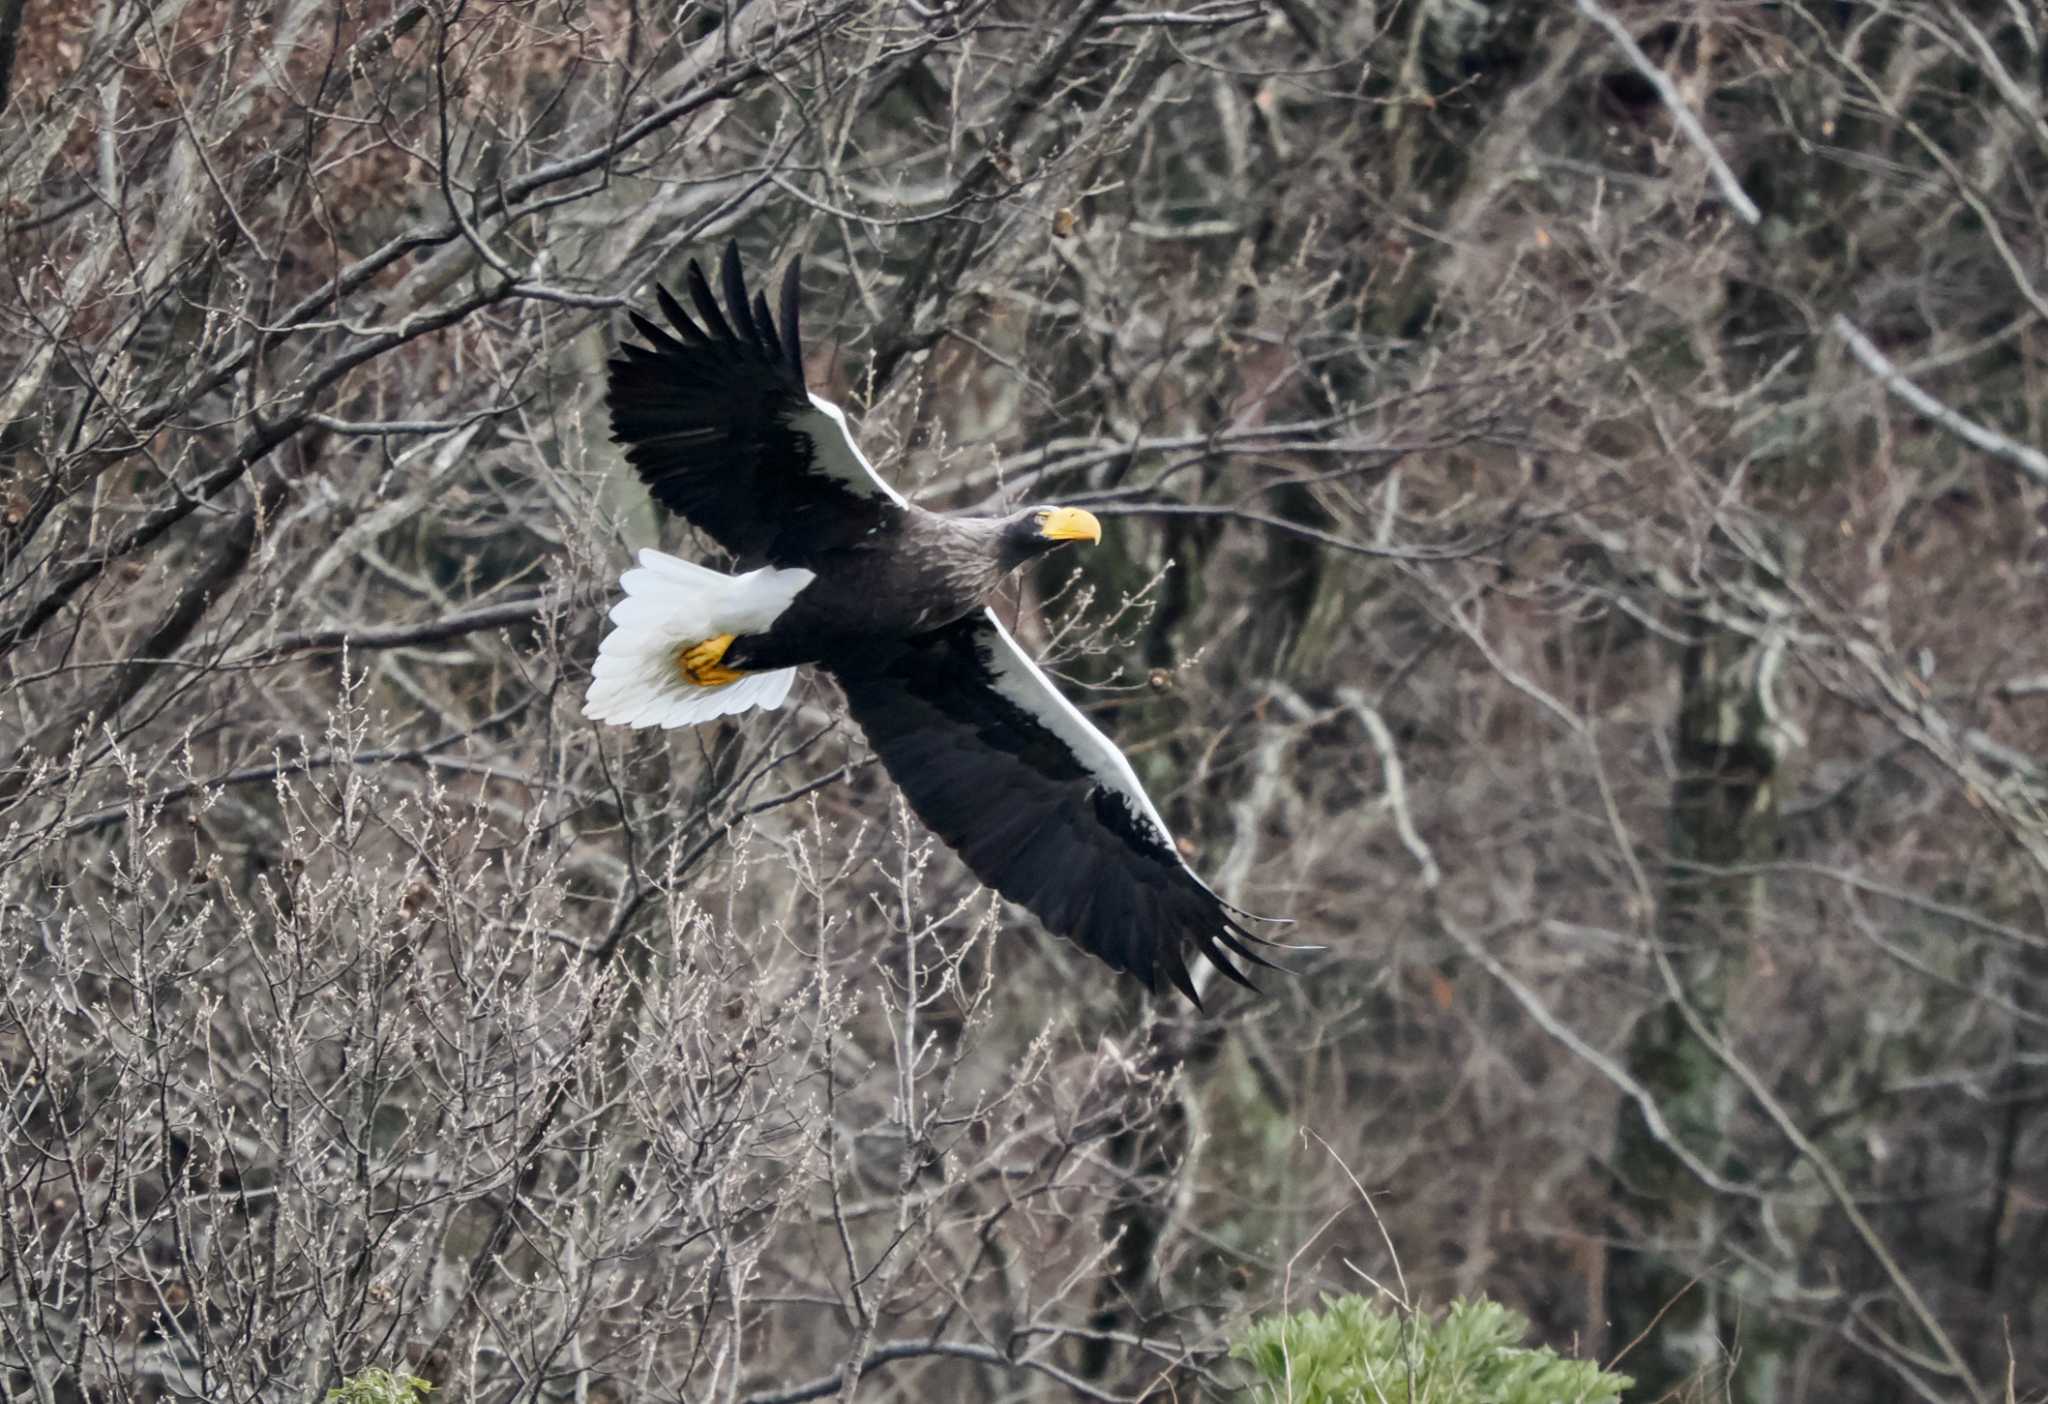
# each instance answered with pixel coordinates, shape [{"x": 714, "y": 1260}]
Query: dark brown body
[{"x": 890, "y": 584}]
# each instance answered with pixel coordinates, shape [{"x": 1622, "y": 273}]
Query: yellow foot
[{"x": 700, "y": 663}]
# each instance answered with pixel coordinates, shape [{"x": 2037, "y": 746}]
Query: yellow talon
[{"x": 699, "y": 663}]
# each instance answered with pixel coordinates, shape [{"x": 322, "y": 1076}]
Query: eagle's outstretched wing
[
  {"x": 716, "y": 420},
  {"x": 1038, "y": 802}
]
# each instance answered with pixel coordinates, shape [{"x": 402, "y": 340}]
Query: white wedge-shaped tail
[{"x": 672, "y": 605}]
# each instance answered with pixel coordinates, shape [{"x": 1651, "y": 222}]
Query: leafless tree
[{"x": 1576, "y": 514}]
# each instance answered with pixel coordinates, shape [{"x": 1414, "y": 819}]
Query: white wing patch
[
  {"x": 838, "y": 456},
  {"x": 1020, "y": 680}
]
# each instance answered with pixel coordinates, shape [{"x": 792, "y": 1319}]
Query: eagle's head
[{"x": 1036, "y": 530}]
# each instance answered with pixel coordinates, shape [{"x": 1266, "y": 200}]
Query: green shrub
[
  {"x": 1351, "y": 1353},
  {"x": 375, "y": 1386}
]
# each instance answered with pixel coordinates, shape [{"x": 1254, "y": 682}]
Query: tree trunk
[{"x": 1663, "y": 1299}]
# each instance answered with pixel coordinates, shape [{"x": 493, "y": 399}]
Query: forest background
[{"x": 1576, "y": 537}]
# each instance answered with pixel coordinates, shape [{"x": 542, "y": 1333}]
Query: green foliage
[
  {"x": 375, "y": 1386},
  {"x": 1351, "y": 1353}
]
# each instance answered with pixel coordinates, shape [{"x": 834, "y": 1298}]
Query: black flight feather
[
  {"x": 1035, "y": 800},
  {"x": 736, "y": 297},
  {"x": 765, "y": 325},
  {"x": 792, "y": 291},
  {"x": 715, "y": 327},
  {"x": 715, "y": 417},
  {"x": 693, "y": 335}
]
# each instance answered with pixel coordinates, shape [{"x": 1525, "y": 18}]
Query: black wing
[
  {"x": 1037, "y": 801},
  {"x": 717, "y": 422}
]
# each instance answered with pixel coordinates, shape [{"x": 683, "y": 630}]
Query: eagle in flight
[{"x": 849, "y": 576}]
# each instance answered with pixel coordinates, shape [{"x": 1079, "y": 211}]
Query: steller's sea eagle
[{"x": 891, "y": 600}]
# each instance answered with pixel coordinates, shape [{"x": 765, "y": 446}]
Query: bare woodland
[{"x": 1577, "y": 529}]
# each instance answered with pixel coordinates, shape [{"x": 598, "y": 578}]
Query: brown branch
[
  {"x": 255, "y": 446},
  {"x": 1831, "y": 1179},
  {"x": 262, "y": 774},
  {"x": 2029, "y": 460},
  {"x": 1282, "y": 525},
  {"x": 947, "y": 256},
  {"x": 11, "y": 12},
  {"x": 196, "y": 596},
  {"x": 503, "y": 202},
  {"x": 453, "y": 626}
]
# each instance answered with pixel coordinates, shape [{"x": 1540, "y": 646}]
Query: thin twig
[
  {"x": 2000, "y": 446},
  {"x": 917, "y": 1350}
]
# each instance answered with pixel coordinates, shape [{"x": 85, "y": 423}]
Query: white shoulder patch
[
  {"x": 1024, "y": 683},
  {"x": 838, "y": 456}
]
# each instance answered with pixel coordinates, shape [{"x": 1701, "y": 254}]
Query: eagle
[{"x": 847, "y": 575}]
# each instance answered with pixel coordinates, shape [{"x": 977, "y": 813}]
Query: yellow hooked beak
[{"x": 1069, "y": 524}]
